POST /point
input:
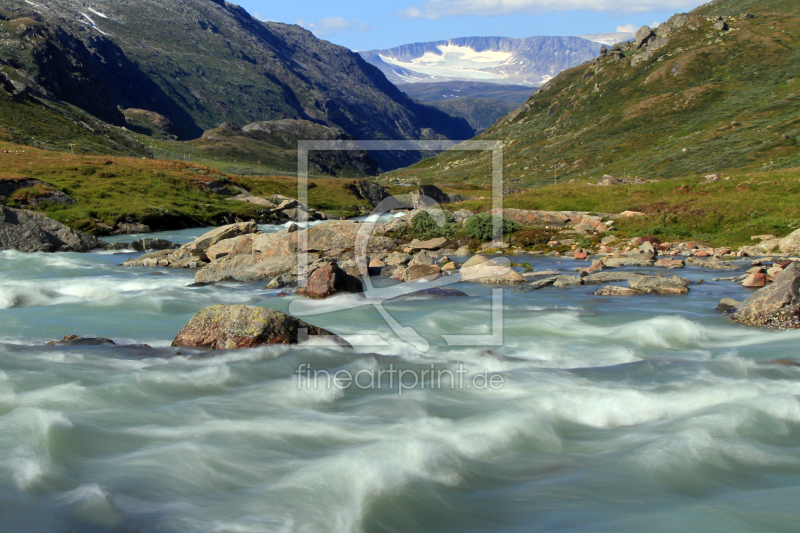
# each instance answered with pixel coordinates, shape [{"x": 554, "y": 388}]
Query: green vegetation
[
  {"x": 708, "y": 101},
  {"x": 424, "y": 226},
  {"x": 727, "y": 212},
  {"x": 162, "y": 194},
  {"x": 481, "y": 227}
]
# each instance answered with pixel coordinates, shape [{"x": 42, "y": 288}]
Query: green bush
[
  {"x": 481, "y": 227},
  {"x": 423, "y": 226}
]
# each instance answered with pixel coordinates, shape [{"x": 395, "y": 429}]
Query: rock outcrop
[
  {"x": 369, "y": 191},
  {"x": 28, "y": 231},
  {"x": 224, "y": 327},
  {"x": 199, "y": 246},
  {"x": 775, "y": 306}
]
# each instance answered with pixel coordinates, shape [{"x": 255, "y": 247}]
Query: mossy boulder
[{"x": 224, "y": 327}]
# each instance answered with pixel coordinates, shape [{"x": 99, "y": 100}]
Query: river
[{"x": 623, "y": 414}]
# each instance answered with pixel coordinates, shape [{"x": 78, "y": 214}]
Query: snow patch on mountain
[
  {"x": 453, "y": 62},
  {"x": 97, "y": 13},
  {"x": 502, "y": 60}
]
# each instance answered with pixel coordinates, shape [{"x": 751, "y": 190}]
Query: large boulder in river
[
  {"x": 490, "y": 271},
  {"x": 27, "y": 231},
  {"x": 224, "y": 327},
  {"x": 199, "y": 246},
  {"x": 329, "y": 280},
  {"x": 659, "y": 285},
  {"x": 775, "y": 306}
]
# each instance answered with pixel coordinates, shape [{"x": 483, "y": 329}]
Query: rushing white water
[{"x": 648, "y": 413}]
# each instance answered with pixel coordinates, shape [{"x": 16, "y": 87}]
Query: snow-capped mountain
[{"x": 531, "y": 61}]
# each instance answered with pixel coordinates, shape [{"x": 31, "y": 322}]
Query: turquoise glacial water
[{"x": 648, "y": 413}]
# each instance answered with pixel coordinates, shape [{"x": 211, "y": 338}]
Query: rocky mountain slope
[
  {"x": 502, "y": 60},
  {"x": 199, "y": 63},
  {"x": 711, "y": 90}
]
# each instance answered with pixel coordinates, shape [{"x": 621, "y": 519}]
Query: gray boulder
[
  {"x": 28, "y": 231},
  {"x": 153, "y": 244},
  {"x": 369, "y": 191},
  {"x": 643, "y": 35},
  {"x": 659, "y": 285},
  {"x": 775, "y": 306},
  {"x": 431, "y": 191}
]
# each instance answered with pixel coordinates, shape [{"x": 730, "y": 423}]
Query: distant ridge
[{"x": 502, "y": 60}]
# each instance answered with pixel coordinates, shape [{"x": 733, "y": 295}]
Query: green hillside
[{"x": 707, "y": 100}]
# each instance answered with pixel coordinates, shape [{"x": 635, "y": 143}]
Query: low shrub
[
  {"x": 481, "y": 227},
  {"x": 424, "y": 226}
]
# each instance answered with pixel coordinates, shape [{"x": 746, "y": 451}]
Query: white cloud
[
  {"x": 627, "y": 28},
  {"x": 334, "y": 26},
  {"x": 434, "y": 9},
  {"x": 262, "y": 19}
]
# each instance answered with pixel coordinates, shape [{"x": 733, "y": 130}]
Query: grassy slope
[
  {"x": 706, "y": 102},
  {"x": 156, "y": 192},
  {"x": 727, "y": 212}
]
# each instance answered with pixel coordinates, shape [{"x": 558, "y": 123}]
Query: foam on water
[{"x": 610, "y": 416}]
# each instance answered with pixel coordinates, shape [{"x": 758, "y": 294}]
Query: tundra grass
[
  {"x": 727, "y": 212},
  {"x": 163, "y": 194}
]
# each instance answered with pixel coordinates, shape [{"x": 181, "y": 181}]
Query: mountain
[
  {"x": 532, "y": 61},
  {"x": 197, "y": 64},
  {"x": 481, "y": 113},
  {"x": 712, "y": 90},
  {"x": 447, "y": 90}
]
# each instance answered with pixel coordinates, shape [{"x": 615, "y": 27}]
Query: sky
[{"x": 371, "y": 24}]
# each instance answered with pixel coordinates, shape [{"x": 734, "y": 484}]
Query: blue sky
[{"x": 366, "y": 25}]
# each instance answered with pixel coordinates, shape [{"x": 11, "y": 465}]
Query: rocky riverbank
[{"x": 333, "y": 264}]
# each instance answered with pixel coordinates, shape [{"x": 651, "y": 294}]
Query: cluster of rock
[
  {"x": 776, "y": 306},
  {"x": 609, "y": 181},
  {"x": 580, "y": 221},
  {"x": 768, "y": 244},
  {"x": 277, "y": 209},
  {"x": 648, "y": 40}
]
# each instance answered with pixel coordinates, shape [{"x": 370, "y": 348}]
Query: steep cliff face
[{"x": 200, "y": 63}]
